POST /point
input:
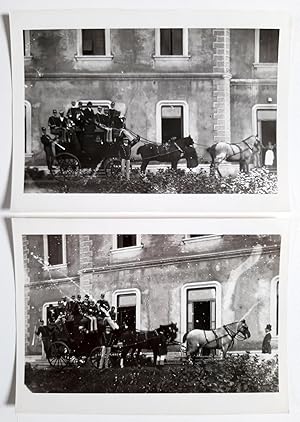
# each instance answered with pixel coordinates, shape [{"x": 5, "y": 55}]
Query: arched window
[
  {"x": 172, "y": 119},
  {"x": 274, "y": 306},
  {"x": 27, "y": 127},
  {"x": 127, "y": 303}
]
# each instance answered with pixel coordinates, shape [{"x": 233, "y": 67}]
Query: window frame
[
  {"x": 273, "y": 306},
  {"x": 200, "y": 285},
  {"x": 27, "y": 52},
  {"x": 46, "y": 252},
  {"x": 130, "y": 291},
  {"x": 204, "y": 238},
  {"x": 28, "y": 132},
  {"x": 115, "y": 248},
  {"x": 79, "y": 56},
  {"x": 163, "y": 103},
  {"x": 185, "y": 47},
  {"x": 257, "y": 63},
  {"x": 255, "y": 110}
]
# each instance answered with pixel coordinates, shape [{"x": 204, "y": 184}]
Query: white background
[{"x": 7, "y": 307}]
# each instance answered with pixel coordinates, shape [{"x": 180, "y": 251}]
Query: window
[
  {"x": 171, "y": 120},
  {"x": 126, "y": 242},
  {"x": 128, "y": 307},
  {"x": 171, "y": 44},
  {"x": 93, "y": 44},
  {"x": 55, "y": 250},
  {"x": 274, "y": 306},
  {"x": 266, "y": 46},
  {"x": 200, "y": 305},
  {"x": 201, "y": 308},
  {"x": 27, "y": 128}
]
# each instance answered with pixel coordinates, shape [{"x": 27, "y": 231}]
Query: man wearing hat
[
  {"x": 89, "y": 118},
  {"x": 54, "y": 123},
  {"x": 72, "y": 111},
  {"x": 44, "y": 333},
  {"x": 47, "y": 143},
  {"x": 266, "y": 344}
]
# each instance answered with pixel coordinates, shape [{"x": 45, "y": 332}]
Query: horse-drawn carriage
[
  {"x": 79, "y": 347},
  {"x": 92, "y": 152}
]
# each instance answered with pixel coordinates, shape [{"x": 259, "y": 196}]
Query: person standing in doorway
[{"x": 44, "y": 333}]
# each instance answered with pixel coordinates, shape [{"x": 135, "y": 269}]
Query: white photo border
[
  {"x": 153, "y": 203},
  {"x": 219, "y": 403}
]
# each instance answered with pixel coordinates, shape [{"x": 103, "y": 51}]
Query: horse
[
  {"x": 171, "y": 152},
  {"x": 219, "y": 338},
  {"x": 241, "y": 152},
  {"x": 156, "y": 340}
]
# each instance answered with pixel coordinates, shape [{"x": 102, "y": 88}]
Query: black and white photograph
[
  {"x": 156, "y": 110},
  {"x": 151, "y": 313},
  {"x": 179, "y": 105}
]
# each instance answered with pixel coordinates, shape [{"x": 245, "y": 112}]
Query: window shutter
[
  {"x": 177, "y": 41},
  {"x": 165, "y": 42}
]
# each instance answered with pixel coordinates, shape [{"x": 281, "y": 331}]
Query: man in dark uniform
[
  {"x": 89, "y": 118},
  {"x": 47, "y": 141},
  {"x": 43, "y": 331},
  {"x": 266, "y": 344},
  {"x": 54, "y": 124}
]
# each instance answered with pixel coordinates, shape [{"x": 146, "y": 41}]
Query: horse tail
[{"x": 184, "y": 337}]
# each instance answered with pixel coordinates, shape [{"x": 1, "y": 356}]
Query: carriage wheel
[
  {"x": 65, "y": 167},
  {"x": 112, "y": 166},
  {"x": 59, "y": 354},
  {"x": 95, "y": 357}
]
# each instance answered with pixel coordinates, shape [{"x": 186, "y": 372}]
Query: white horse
[{"x": 220, "y": 338}]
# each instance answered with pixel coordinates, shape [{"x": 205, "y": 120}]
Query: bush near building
[
  {"x": 236, "y": 374},
  {"x": 258, "y": 181}
]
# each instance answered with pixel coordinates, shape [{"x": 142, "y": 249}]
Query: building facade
[
  {"x": 197, "y": 281},
  {"x": 212, "y": 84}
]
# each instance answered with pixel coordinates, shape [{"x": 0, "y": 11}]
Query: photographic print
[
  {"x": 159, "y": 109},
  {"x": 151, "y": 313}
]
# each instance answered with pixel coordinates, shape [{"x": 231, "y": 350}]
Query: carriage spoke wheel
[
  {"x": 95, "y": 357},
  {"x": 112, "y": 167},
  {"x": 65, "y": 167},
  {"x": 59, "y": 354}
]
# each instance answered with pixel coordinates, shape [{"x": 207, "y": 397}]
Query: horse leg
[
  {"x": 144, "y": 165},
  {"x": 174, "y": 164}
]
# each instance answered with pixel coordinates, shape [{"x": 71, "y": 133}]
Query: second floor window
[
  {"x": 55, "y": 249},
  {"x": 268, "y": 45},
  {"x": 171, "y": 42},
  {"x": 93, "y": 42},
  {"x": 126, "y": 240}
]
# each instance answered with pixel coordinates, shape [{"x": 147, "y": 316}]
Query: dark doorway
[
  {"x": 201, "y": 317},
  {"x": 268, "y": 137},
  {"x": 127, "y": 316},
  {"x": 171, "y": 122}
]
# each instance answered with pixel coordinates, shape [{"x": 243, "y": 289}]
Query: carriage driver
[{"x": 47, "y": 143}]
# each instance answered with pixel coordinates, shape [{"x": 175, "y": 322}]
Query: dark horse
[
  {"x": 155, "y": 340},
  {"x": 219, "y": 338},
  {"x": 241, "y": 152},
  {"x": 171, "y": 153}
]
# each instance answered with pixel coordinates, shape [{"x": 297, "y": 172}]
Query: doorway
[{"x": 171, "y": 122}]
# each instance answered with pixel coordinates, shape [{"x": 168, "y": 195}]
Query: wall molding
[{"x": 180, "y": 259}]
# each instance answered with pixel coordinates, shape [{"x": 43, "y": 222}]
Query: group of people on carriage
[
  {"x": 69, "y": 131},
  {"x": 82, "y": 322}
]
